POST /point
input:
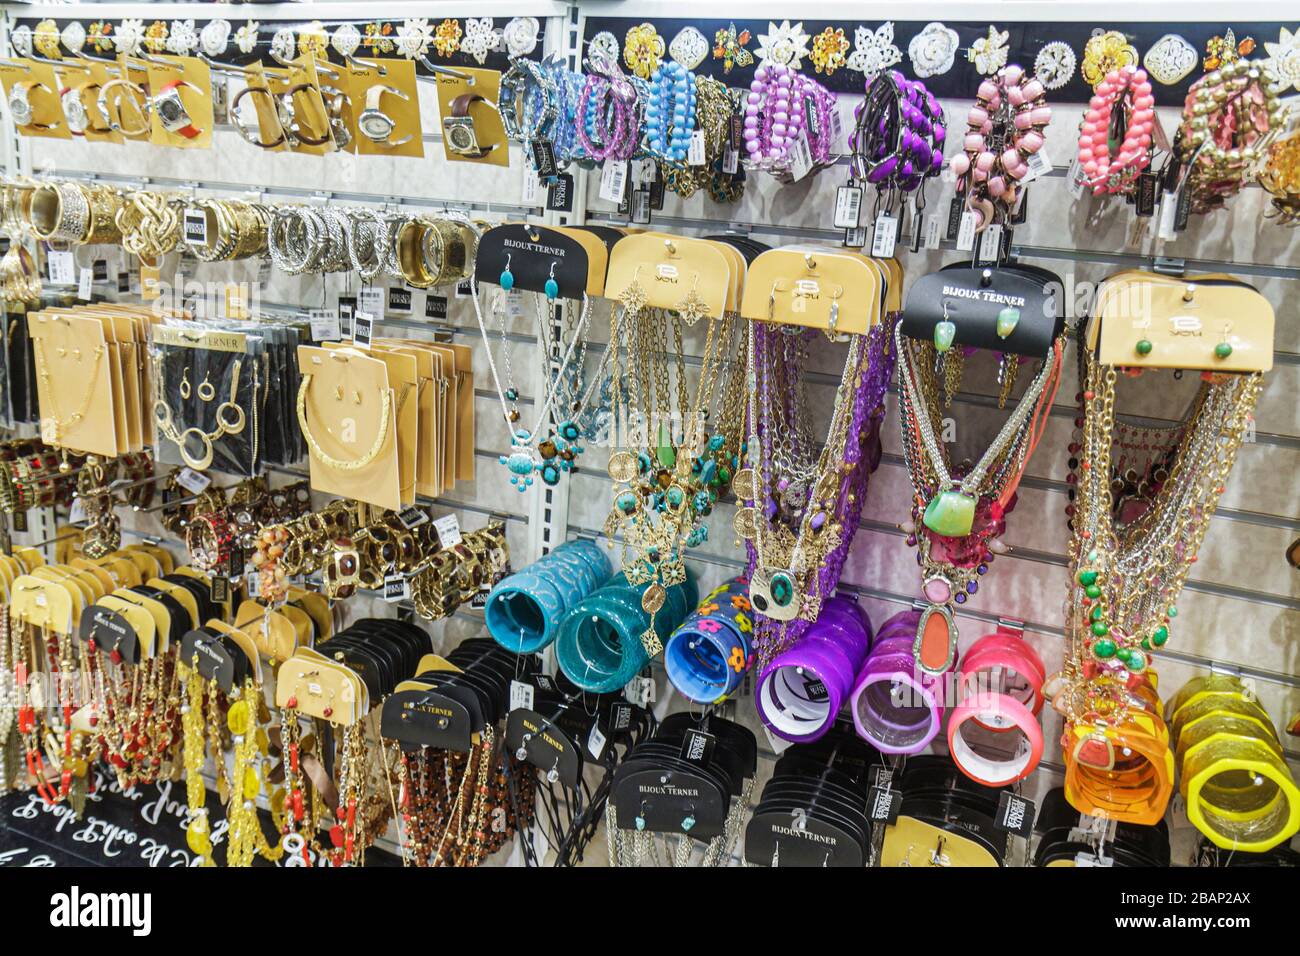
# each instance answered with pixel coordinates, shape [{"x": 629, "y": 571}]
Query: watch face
[
  {"x": 20, "y": 107},
  {"x": 171, "y": 112},
  {"x": 375, "y": 125},
  {"x": 460, "y": 135},
  {"x": 75, "y": 112}
]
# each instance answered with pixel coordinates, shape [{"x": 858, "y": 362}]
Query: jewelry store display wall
[{"x": 772, "y": 173}]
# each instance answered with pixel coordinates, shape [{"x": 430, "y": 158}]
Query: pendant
[
  {"x": 944, "y": 333},
  {"x": 935, "y": 645},
  {"x": 950, "y": 513},
  {"x": 774, "y": 595},
  {"x": 623, "y": 466},
  {"x": 653, "y": 598},
  {"x": 742, "y": 485},
  {"x": 1008, "y": 318},
  {"x": 743, "y": 522}
]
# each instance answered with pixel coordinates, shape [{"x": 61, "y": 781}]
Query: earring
[
  {"x": 206, "y": 390},
  {"x": 633, "y": 297},
  {"x": 507, "y": 279},
  {"x": 1008, "y": 319},
  {"x": 771, "y": 303},
  {"x": 1224, "y": 348},
  {"x": 185, "y": 383},
  {"x": 552, "y": 288},
  {"x": 356, "y": 398},
  {"x": 692, "y": 308},
  {"x": 338, "y": 393},
  {"x": 944, "y": 332}
]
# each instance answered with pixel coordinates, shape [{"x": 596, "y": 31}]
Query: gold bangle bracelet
[
  {"x": 137, "y": 92},
  {"x": 60, "y": 212},
  {"x": 105, "y": 201},
  {"x": 410, "y": 256}
]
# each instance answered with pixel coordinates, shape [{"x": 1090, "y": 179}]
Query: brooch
[
  {"x": 829, "y": 48},
  {"x": 874, "y": 50},
  {"x": 1171, "y": 59},
  {"x": 1104, "y": 53}
]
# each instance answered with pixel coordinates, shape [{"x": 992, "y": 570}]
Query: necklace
[
  {"x": 55, "y": 426},
  {"x": 662, "y": 494},
  {"x": 802, "y": 503},
  {"x": 560, "y": 447},
  {"x": 230, "y": 418},
  {"x": 1128, "y": 576},
  {"x": 956, "y": 521},
  {"x": 371, "y": 453}
]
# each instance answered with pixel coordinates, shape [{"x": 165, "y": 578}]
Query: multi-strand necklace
[
  {"x": 548, "y": 450},
  {"x": 667, "y": 484},
  {"x": 959, "y": 514},
  {"x": 1127, "y": 575},
  {"x": 801, "y": 503}
]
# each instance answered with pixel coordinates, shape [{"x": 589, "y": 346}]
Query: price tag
[
  {"x": 264, "y": 271},
  {"x": 363, "y": 329},
  {"x": 695, "y": 152},
  {"x": 371, "y": 300},
  {"x": 85, "y": 280},
  {"x": 1075, "y": 177},
  {"x": 730, "y": 161},
  {"x": 839, "y": 136},
  {"x": 253, "y": 583},
  {"x": 1148, "y": 188},
  {"x": 395, "y": 588},
  {"x": 514, "y": 304},
  {"x": 640, "y": 691},
  {"x": 1015, "y": 814},
  {"x": 521, "y": 695},
  {"x": 559, "y": 193},
  {"x": 448, "y": 528},
  {"x": 1168, "y": 215},
  {"x": 77, "y": 513},
  {"x": 883, "y": 805},
  {"x": 63, "y": 268},
  {"x": 801, "y": 156},
  {"x": 966, "y": 232},
  {"x": 435, "y": 306},
  {"x": 933, "y": 230},
  {"x": 194, "y": 482},
  {"x": 991, "y": 244},
  {"x": 464, "y": 290},
  {"x": 325, "y": 325},
  {"x": 219, "y": 589},
  {"x": 99, "y": 270},
  {"x": 643, "y": 172},
  {"x": 779, "y": 745},
  {"x": 641, "y": 206},
  {"x": 613, "y": 181},
  {"x": 856, "y": 237},
  {"x": 532, "y": 188},
  {"x": 543, "y": 151},
  {"x": 848, "y": 207},
  {"x": 123, "y": 282},
  {"x": 1039, "y": 165},
  {"x": 596, "y": 741},
  {"x": 885, "y": 237},
  {"x": 412, "y": 516},
  {"x": 196, "y": 226}
]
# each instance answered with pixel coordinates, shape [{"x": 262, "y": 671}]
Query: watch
[
  {"x": 458, "y": 128},
  {"x": 293, "y": 127},
  {"x": 141, "y": 102},
  {"x": 20, "y": 105},
  {"x": 75, "y": 111},
  {"x": 376, "y": 125},
  {"x": 173, "y": 115}
]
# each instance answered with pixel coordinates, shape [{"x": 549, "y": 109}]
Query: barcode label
[
  {"x": 63, "y": 268},
  {"x": 966, "y": 232},
  {"x": 613, "y": 182},
  {"x": 325, "y": 325},
  {"x": 85, "y": 281},
  {"x": 695, "y": 153},
  {"x": 848, "y": 207},
  {"x": 371, "y": 301},
  {"x": 885, "y": 237}
]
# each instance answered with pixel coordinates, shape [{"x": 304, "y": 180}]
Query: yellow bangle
[
  {"x": 1208, "y": 684},
  {"x": 1200, "y": 705},
  {"x": 1259, "y": 805}
]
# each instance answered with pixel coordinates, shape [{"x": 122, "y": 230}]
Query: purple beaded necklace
[{"x": 772, "y": 412}]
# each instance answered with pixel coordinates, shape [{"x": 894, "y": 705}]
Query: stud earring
[
  {"x": 507, "y": 280},
  {"x": 356, "y": 398},
  {"x": 1143, "y": 347},
  {"x": 338, "y": 393},
  {"x": 771, "y": 303},
  {"x": 206, "y": 390},
  {"x": 185, "y": 383},
  {"x": 552, "y": 288}
]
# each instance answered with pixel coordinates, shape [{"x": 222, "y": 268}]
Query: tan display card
[
  {"x": 385, "y": 91},
  {"x": 473, "y": 98},
  {"x": 669, "y": 268},
  {"x": 84, "y": 79},
  {"x": 41, "y": 86},
  {"x": 74, "y": 383},
  {"x": 813, "y": 287}
]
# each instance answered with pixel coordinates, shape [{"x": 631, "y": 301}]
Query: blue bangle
[
  {"x": 524, "y": 610},
  {"x": 707, "y": 656}
]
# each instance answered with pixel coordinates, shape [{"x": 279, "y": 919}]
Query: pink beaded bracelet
[{"x": 1115, "y": 174}]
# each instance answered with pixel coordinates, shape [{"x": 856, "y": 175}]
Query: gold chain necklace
[
  {"x": 340, "y": 464},
  {"x": 165, "y": 417},
  {"x": 52, "y": 432}
]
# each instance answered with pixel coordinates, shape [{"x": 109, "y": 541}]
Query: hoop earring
[
  {"x": 185, "y": 384},
  {"x": 206, "y": 390}
]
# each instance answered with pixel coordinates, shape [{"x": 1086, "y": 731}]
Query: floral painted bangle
[
  {"x": 707, "y": 656},
  {"x": 1116, "y": 174},
  {"x": 1010, "y": 109}
]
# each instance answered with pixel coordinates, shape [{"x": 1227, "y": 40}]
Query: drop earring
[
  {"x": 1224, "y": 348},
  {"x": 507, "y": 278},
  {"x": 185, "y": 384},
  {"x": 1008, "y": 319},
  {"x": 692, "y": 307},
  {"x": 552, "y": 288},
  {"x": 944, "y": 332},
  {"x": 206, "y": 390}
]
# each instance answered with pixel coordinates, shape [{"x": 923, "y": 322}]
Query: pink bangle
[
  {"x": 1107, "y": 174},
  {"x": 1010, "y": 654},
  {"x": 971, "y": 741},
  {"x": 1010, "y": 108}
]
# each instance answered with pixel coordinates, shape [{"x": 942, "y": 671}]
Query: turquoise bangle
[
  {"x": 524, "y": 609},
  {"x": 599, "y": 644}
]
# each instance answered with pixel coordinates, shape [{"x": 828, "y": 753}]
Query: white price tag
[
  {"x": 532, "y": 188},
  {"x": 63, "y": 268},
  {"x": 514, "y": 304},
  {"x": 778, "y": 744},
  {"x": 371, "y": 300},
  {"x": 194, "y": 482},
  {"x": 966, "y": 232},
  {"x": 848, "y": 207},
  {"x": 839, "y": 136},
  {"x": 1075, "y": 177},
  {"x": 640, "y": 691},
  {"x": 801, "y": 156},
  {"x": 1039, "y": 165},
  {"x": 264, "y": 271},
  {"x": 730, "y": 161},
  {"x": 77, "y": 513},
  {"x": 695, "y": 152},
  {"x": 595, "y": 742},
  {"x": 885, "y": 237},
  {"x": 448, "y": 528},
  {"x": 643, "y": 172},
  {"x": 325, "y": 325},
  {"x": 613, "y": 181},
  {"x": 933, "y": 230},
  {"x": 253, "y": 583},
  {"x": 1168, "y": 216},
  {"x": 991, "y": 243},
  {"x": 521, "y": 695},
  {"x": 84, "y": 283}
]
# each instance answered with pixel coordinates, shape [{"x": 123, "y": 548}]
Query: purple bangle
[
  {"x": 801, "y": 691},
  {"x": 892, "y": 727}
]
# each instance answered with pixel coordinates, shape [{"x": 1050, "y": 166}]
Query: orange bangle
[{"x": 1123, "y": 772}]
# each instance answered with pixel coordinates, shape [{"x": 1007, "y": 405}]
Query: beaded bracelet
[
  {"x": 1107, "y": 174},
  {"x": 1228, "y": 118},
  {"x": 781, "y": 105},
  {"x": 670, "y": 114},
  {"x": 606, "y": 119},
  {"x": 898, "y": 134},
  {"x": 1010, "y": 109}
]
